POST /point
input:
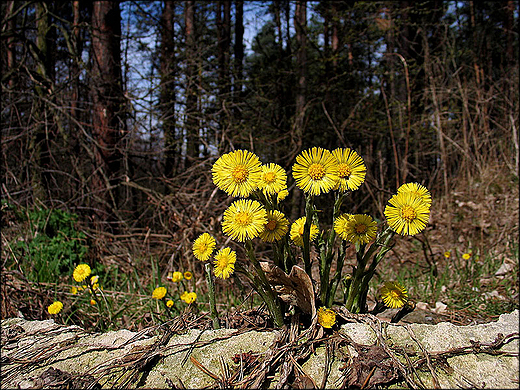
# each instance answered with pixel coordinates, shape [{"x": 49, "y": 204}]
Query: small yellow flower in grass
[
  {"x": 81, "y": 272},
  {"x": 94, "y": 279},
  {"x": 273, "y": 179},
  {"x": 316, "y": 171},
  {"x": 189, "y": 297},
  {"x": 466, "y": 256},
  {"x": 276, "y": 227},
  {"x": 93, "y": 302},
  {"x": 169, "y": 303},
  {"x": 159, "y": 293},
  {"x": 406, "y": 213},
  {"x": 394, "y": 295},
  {"x": 244, "y": 219},
  {"x": 447, "y": 254},
  {"x": 225, "y": 263},
  {"x": 417, "y": 190},
  {"x": 177, "y": 276},
  {"x": 361, "y": 228},
  {"x": 188, "y": 275},
  {"x": 237, "y": 173},
  {"x": 326, "y": 317},
  {"x": 74, "y": 290},
  {"x": 55, "y": 307},
  {"x": 203, "y": 247},
  {"x": 351, "y": 169},
  {"x": 297, "y": 231}
]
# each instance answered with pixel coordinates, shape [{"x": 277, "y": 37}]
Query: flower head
[
  {"x": 55, "y": 307},
  {"x": 326, "y": 317},
  {"x": 360, "y": 228},
  {"x": 93, "y": 302},
  {"x": 244, "y": 219},
  {"x": 316, "y": 171},
  {"x": 297, "y": 229},
  {"x": 447, "y": 254},
  {"x": 466, "y": 256},
  {"x": 273, "y": 179},
  {"x": 237, "y": 173},
  {"x": 276, "y": 227},
  {"x": 340, "y": 225},
  {"x": 394, "y": 295},
  {"x": 406, "y": 213},
  {"x": 189, "y": 297},
  {"x": 169, "y": 303},
  {"x": 188, "y": 275},
  {"x": 73, "y": 290},
  {"x": 159, "y": 293},
  {"x": 81, "y": 272},
  {"x": 94, "y": 279},
  {"x": 282, "y": 194},
  {"x": 176, "y": 276},
  {"x": 225, "y": 263},
  {"x": 351, "y": 169},
  {"x": 417, "y": 190},
  {"x": 203, "y": 247}
]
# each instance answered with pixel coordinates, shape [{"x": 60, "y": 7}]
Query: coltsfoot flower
[
  {"x": 225, "y": 263},
  {"x": 55, "y": 307},
  {"x": 406, "y": 213},
  {"x": 351, "y": 169},
  {"x": 203, "y": 247},
  {"x": 237, "y": 173},
  {"x": 81, "y": 272},
  {"x": 361, "y": 228},
  {"x": 276, "y": 227},
  {"x": 244, "y": 220},
  {"x": 297, "y": 231},
  {"x": 273, "y": 179},
  {"x": 159, "y": 293},
  {"x": 394, "y": 295},
  {"x": 417, "y": 190},
  {"x": 189, "y": 297},
  {"x": 326, "y": 317},
  {"x": 188, "y": 275},
  {"x": 316, "y": 171}
]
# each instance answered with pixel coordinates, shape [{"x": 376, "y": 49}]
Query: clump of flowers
[{"x": 258, "y": 214}]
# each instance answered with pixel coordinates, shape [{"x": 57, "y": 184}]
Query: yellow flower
[
  {"x": 74, "y": 290},
  {"x": 466, "y": 256},
  {"x": 340, "y": 225},
  {"x": 94, "y": 279},
  {"x": 326, "y": 317},
  {"x": 169, "y": 303},
  {"x": 297, "y": 231},
  {"x": 360, "y": 228},
  {"x": 159, "y": 293},
  {"x": 188, "y": 275},
  {"x": 189, "y": 297},
  {"x": 394, "y": 295},
  {"x": 282, "y": 194},
  {"x": 276, "y": 227},
  {"x": 93, "y": 302},
  {"x": 244, "y": 219},
  {"x": 237, "y": 173},
  {"x": 55, "y": 307},
  {"x": 351, "y": 169},
  {"x": 273, "y": 179},
  {"x": 177, "y": 276},
  {"x": 316, "y": 171},
  {"x": 81, "y": 272},
  {"x": 406, "y": 213},
  {"x": 447, "y": 254},
  {"x": 203, "y": 247},
  {"x": 418, "y": 190},
  {"x": 225, "y": 263}
]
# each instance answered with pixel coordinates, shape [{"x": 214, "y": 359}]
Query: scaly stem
[{"x": 212, "y": 301}]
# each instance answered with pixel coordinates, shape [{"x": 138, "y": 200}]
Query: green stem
[
  {"x": 212, "y": 301},
  {"x": 269, "y": 296},
  {"x": 309, "y": 211}
]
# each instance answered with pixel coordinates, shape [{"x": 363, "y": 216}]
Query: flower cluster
[{"x": 258, "y": 213}]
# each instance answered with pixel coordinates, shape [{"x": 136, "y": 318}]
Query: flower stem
[{"x": 212, "y": 302}]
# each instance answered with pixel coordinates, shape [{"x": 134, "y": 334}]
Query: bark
[
  {"x": 168, "y": 95},
  {"x": 191, "y": 122},
  {"x": 107, "y": 96},
  {"x": 300, "y": 24},
  {"x": 239, "y": 49}
]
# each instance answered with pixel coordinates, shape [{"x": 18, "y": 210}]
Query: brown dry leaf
[
  {"x": 371, "y": 367},
  {"x": 295, "y": 289}
]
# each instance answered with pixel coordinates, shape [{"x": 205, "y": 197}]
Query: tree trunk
[
  {"x": 300, "y": 24},
  {"x": 168, "y": 93},
  {"x": 108, "y": 119},
  {"x": 191, "y": 121},
  {"x": 223, "y": 42},
  {"x": 239, "y": 50}
]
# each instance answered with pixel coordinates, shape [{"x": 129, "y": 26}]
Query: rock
[{"x": 364, "y": 351}]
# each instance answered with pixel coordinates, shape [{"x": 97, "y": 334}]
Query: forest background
[{"x": 114, "y": 112}]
